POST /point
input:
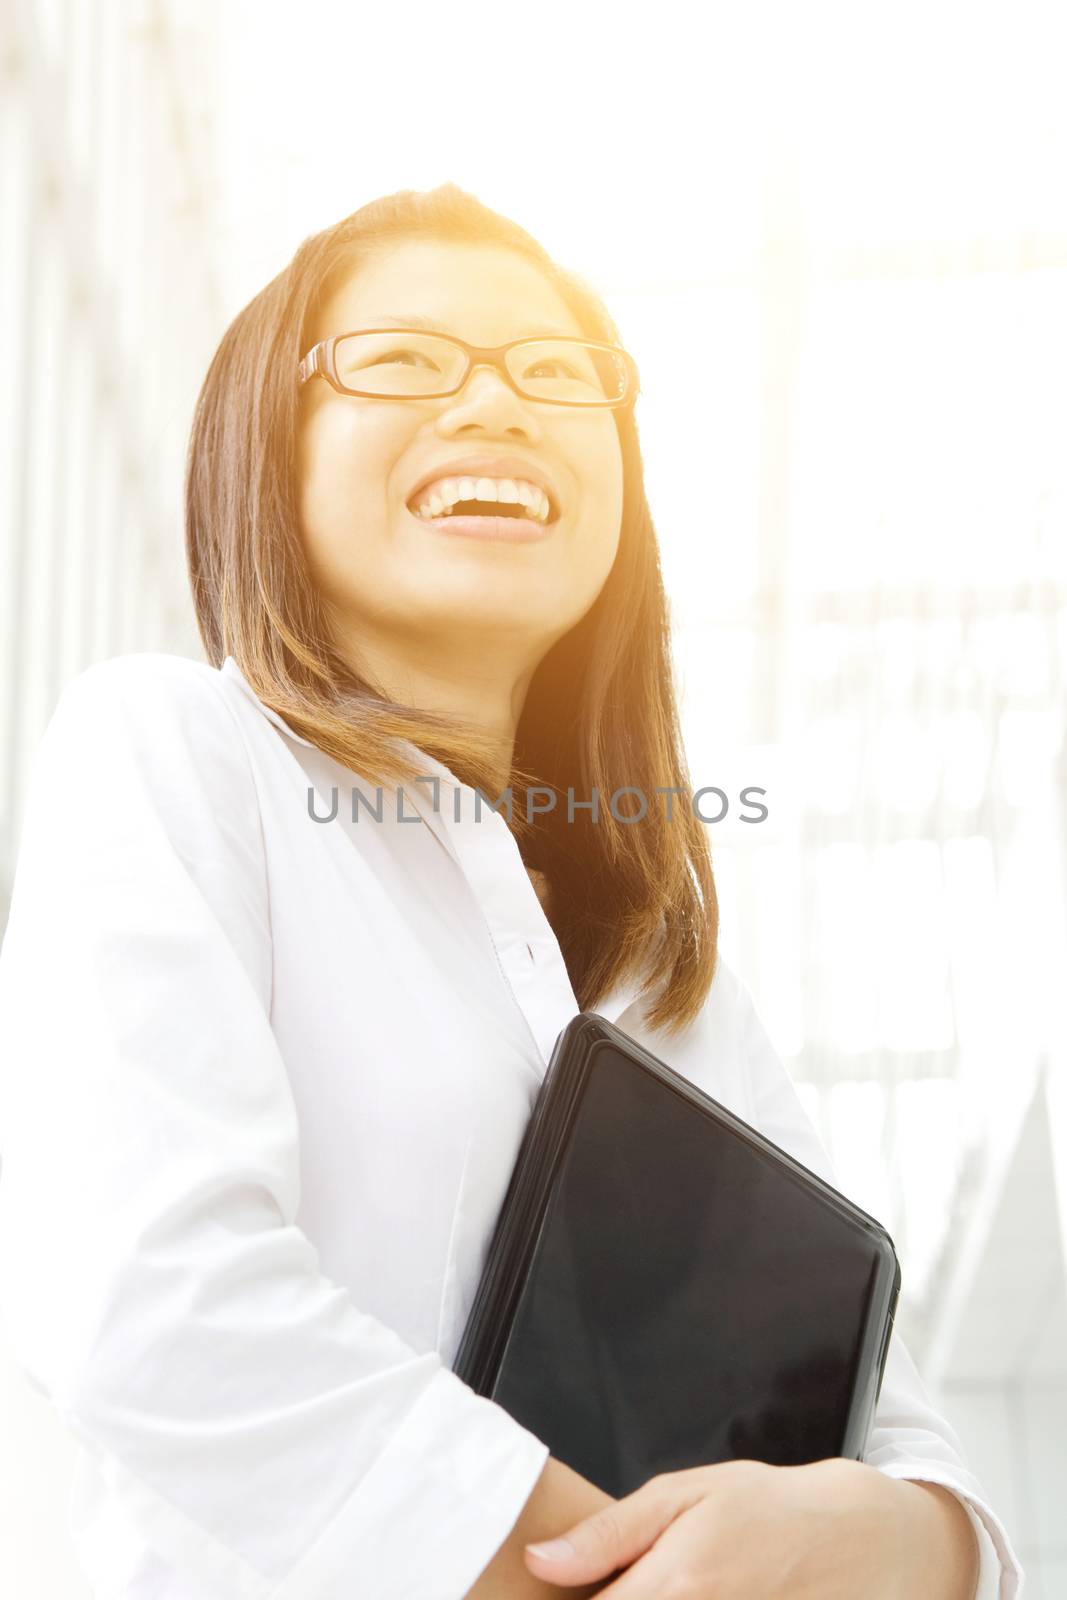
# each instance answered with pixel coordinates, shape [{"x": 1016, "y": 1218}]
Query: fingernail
[{"x": 552, "y": 1549}]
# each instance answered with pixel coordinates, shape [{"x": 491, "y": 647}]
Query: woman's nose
[{"x": 488, "y": 397}]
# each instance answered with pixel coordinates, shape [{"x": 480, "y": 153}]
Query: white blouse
[{"x": 266, "y": 1078}]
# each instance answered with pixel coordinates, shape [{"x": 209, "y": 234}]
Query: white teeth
[{"x": 440, "y": 497}]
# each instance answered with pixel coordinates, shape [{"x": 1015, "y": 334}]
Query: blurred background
[{"x": 835, "y": 239}]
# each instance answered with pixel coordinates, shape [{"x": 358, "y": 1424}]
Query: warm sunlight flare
[{"x": 834, "y": 239}]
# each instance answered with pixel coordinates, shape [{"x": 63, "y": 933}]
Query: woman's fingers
[
  {"x": 652, "y": 1576},
  {"x": 614, "y": 1537}
]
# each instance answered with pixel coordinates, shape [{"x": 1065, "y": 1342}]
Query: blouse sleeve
[
  {"x": 908, "y": 1439},
  {"x": 265, "y": 1435}
]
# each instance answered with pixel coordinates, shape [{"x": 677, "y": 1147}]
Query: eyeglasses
[{"x": 409, "y": 364}]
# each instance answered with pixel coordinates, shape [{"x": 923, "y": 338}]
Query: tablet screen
[{"x": 691, "y": 1300}]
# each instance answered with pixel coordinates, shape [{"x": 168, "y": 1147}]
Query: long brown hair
[{"x": 600, "y": 714}]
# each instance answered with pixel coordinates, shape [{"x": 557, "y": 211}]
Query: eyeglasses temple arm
[{"x": 311, "y": 364}]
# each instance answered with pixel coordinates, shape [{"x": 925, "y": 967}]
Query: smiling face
[{"x": 400, "y": 587}]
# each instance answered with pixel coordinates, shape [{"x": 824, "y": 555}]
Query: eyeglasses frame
[{"x": 320, "y": 362}]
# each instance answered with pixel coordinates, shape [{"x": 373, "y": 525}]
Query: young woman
[{"x": 272, "y": 1045}]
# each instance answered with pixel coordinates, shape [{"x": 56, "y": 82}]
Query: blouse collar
[{"x": 491, "y": 859}]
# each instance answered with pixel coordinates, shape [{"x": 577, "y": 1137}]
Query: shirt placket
[{"x": 527, "y": 950}]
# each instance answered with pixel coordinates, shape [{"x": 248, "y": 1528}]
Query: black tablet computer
[{"x": 665, "y": 1288}]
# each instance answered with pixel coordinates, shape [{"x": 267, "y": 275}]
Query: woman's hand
[{"x": 834, "y": 1530}]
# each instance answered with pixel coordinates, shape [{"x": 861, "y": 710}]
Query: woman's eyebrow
[{"x": 414, "y": 321}]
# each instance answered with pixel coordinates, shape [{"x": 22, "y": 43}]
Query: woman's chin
[{"x": 492, "y": 609}]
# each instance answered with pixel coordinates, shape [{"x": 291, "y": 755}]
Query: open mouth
[
  {"x": 531, "y": 504},
  {"x": 487, "y": 522}
]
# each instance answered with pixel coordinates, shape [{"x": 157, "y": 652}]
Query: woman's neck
[{"x": 485, "y": 688}]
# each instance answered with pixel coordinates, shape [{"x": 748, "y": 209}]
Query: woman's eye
[
  {"x": 398, "y": 354},
  {"x": 561, "y": 367}
]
